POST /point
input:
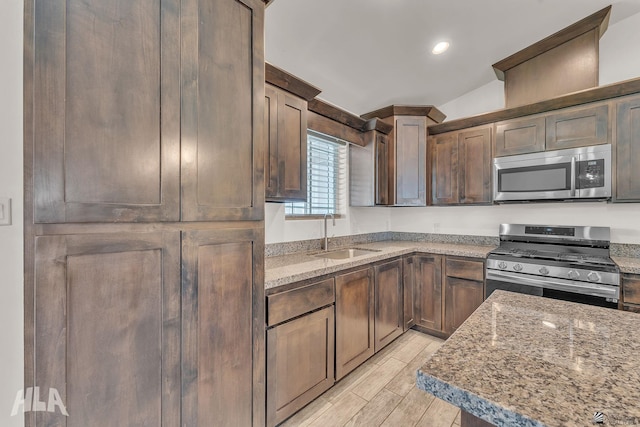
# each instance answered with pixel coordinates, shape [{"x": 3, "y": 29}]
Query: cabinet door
[
  {"x": 474, "y": 155},
  {"x": 461, "y": 298},
  {"x": 354, "y": 320},
  {"x": 107, "y": 337},
  {"x": 428, "y": 291},
  {"x": 628, "y": 150},
  {"x": 408, "y": 274},
  {"x": 223, "y": 327},
  {"x": 444, "y": 169},
  {"x": 578, "y": 127},
  {"x": 300, "y": 362},
  {"x": 410, "y": 166},
  {"x": 222, "y": 114},
  {"x": 271, "y": 140},
  {"x": 389, "y": 309},
  {"x": 292, "y": 147},
  {"x": 631, "y": 289},
  {"x": 519, "y": 136},
  {"x": 106, "y": 124},
  {"x": 382, "y": 168}
]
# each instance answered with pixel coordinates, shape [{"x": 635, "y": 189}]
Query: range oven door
[{"x": 567, "y": 290}]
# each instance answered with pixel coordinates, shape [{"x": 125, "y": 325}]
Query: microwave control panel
[{"x": 590, "y": 173}]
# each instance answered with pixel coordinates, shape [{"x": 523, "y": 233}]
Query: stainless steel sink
[{"x": 346, "y": 253}]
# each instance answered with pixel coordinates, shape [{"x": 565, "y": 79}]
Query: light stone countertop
[
  {"x": 531, "y": 361},
  {"x": 282, "y": 270},
  {"x": 627, "y": 265}
]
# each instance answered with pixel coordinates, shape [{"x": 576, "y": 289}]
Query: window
[{"x": 326, "y": 176}]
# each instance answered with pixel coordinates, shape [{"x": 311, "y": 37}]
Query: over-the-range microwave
[{"x": 578, "y": 173}]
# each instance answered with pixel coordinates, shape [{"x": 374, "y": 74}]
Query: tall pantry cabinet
[{"x": 144, "y": 199}]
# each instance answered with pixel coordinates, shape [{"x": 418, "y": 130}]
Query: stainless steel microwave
[{"x": 578, "y": 173}]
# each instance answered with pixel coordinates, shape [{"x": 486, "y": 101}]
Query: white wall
[
  {"x": 618, "y": 61},
  {"x": 11, "y": 249}
]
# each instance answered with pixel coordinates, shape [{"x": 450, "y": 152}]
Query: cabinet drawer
[
  {"x": 465, "y": 269},
  {"x": 631, "y": 289},
  {"x": 287, "y": 305}
]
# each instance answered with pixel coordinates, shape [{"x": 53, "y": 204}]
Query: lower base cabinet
[
  {"x": 631, "y": 292},
  {"x": 299, "y": 363},
  {"x": 389, "y": 308},
  {"x": 354, "y": 320}
]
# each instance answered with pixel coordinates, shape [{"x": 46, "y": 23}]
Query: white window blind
[{"x": 326, "y": 177}]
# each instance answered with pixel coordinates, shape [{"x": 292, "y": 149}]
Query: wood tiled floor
[{"x": 382, "y": 392}]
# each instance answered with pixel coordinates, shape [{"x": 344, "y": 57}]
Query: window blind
[{"x": 326, "y": 177}]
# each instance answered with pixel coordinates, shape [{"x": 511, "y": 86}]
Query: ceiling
[{"x": 367, "y": 54}]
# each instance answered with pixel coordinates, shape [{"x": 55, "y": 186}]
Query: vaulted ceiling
[{"x": 366, "y": 54}]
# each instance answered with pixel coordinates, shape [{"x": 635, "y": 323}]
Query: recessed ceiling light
[{"x": 440, "y": 48}]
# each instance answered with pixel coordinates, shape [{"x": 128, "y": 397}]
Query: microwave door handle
[{"x": 573, "y": 177}]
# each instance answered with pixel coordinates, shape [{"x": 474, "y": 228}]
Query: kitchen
[{"x": 478, "y": 221}]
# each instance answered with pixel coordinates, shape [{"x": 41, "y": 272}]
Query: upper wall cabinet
[
  {"x": 461, "y": 167},
  {"x": 556, "y": 130},
  {"x": 138, "y": 98},
  {"x": 407, "y": 151},
  {"x": 628, "y": 150},
  {"x": 222, "y": 110},
  {"x": 107, "y": 126},
  {"x": 285, "y": 133}
]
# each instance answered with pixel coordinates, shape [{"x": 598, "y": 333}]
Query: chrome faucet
[{"x": 325, "y": 242}]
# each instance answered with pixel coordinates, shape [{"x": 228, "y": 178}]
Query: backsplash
[{"x": 284, "y": 248}]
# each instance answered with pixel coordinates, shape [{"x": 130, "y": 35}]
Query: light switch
[{"x": 5, "y": 211}]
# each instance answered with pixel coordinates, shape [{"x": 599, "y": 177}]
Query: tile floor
[{"x": 382, "y": 392}]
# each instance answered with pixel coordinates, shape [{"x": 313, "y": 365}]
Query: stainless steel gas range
[{"x": 563, "y": 262}]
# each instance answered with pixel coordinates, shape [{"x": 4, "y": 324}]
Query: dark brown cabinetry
[
  {"x": 461, "y": 167},
  {"x": 286, "y": 145},
  {"x": 627, "y": 176},
  {"x": 369, "y": 170},
  {"x": 300, "y": 352},
  {"x": 463, "y": 290},
  {"x": 427, "y": 270},
  {"x": 631, "y": 292},
  {"x": 381, "y": 166},
  {"x": 389, "y": 308},
  {"x": 354, "y": 320},
  {"x": 408, "y": 284},
  {"x": 408, "y": 154},
  {"x": 144, "y": 209},
  {"x": 519, "y": 136},
  {"x": 578, "y": 127},
  {"x": 107, "y": 327}
]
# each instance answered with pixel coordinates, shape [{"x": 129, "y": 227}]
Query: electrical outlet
[
  {"x": 436, "y": 227},
  {"x": 5, "y": 211}
]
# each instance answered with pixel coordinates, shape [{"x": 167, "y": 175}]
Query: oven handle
[{"x": 594, "y": 289}]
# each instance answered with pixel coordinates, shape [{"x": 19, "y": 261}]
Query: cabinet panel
[
  {"x": 410, "y": 157},
  {"x": 578, "y": 127},
  {"x": 428, "y": 291},
  {"x": 628, "y": 150},
  {"x": 107, "y": 327},
  {"x": 381, "y": 169},
  {"x": 631, "y": 289},
  {"x": 271, "y": 140},
  {"x": 474, "y": 166},
  {"x": 292, "y": 147},
  {"x": 461, "y": 299},
  {"x": 354, "y": 320},
  {"x": 223, "y": 327},
  {"x": 465, "y": 269},
  {"x": 408, "y": 284},
  {"x": 106, "y": 121},
  {"x": 519, "y": 136},
  {"x": 222, "y": 110},
  {"x": 389, "y": 309},
  {"x": 444, "y": 169}
]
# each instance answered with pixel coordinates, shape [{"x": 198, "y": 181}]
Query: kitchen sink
[{"x": 346, "y": 253}]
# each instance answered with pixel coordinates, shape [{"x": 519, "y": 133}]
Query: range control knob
[
  {"x": 517, "y": 267},
  {"x": 573, "y": 274},
  {"x": 502, "y": 265},
  {"x": 593, "y": 277},
  {"x": 544, "y": 271}
]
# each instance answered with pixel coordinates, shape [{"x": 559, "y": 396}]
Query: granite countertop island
[{"x": 523, "y": 360}]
